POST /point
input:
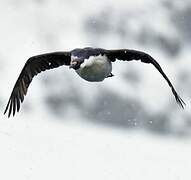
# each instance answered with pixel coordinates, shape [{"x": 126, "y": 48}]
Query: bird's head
[{"x": 75, "y": 62}]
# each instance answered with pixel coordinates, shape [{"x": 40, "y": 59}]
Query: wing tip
[
  {"x": 7, "y": 107},
  {"x": 10, "y": 108},
  {"x": 180, "y": 102}
]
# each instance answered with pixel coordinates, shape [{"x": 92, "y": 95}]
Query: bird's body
[
  {"x": 95, "y": 68},
  {"x": 91, "y": 64}
]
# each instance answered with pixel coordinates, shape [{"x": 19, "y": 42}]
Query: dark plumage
[{"x": 92, "y": 64}]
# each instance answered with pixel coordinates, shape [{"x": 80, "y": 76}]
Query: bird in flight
[{"x": 91, "y": 64}]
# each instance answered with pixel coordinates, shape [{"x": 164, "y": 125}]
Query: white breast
[{"x": 96, "y": 68}]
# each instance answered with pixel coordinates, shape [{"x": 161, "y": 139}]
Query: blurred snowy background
[{"x": 127, "y": 127}]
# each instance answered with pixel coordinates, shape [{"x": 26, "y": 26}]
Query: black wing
[
  {"x": 32, "y": 67},
  {"x": 128, "y": 55}
]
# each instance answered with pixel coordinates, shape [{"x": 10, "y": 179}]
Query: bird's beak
[{"x": 73, "y": 64}]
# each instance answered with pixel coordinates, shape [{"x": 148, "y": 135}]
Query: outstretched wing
[
  {"x": 128, "y": 55},
  {"x": 32, "y": 67}
]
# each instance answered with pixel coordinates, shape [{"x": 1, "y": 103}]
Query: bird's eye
[{"x": 75, "y": 64}]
